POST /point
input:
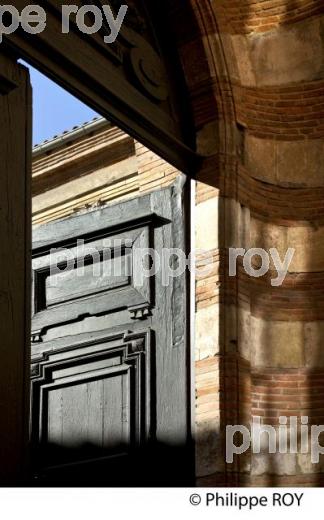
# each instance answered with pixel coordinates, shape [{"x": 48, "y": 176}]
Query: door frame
[{"x": 150, "y": 126}]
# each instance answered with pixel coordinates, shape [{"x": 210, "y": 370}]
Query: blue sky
[{"x": 54, "y": 110}]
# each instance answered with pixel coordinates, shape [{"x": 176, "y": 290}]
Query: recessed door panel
[
  {"x": 94, "y": 401},
  {"x": 109, "y": 383}
]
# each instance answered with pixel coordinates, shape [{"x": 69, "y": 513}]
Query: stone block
[
  {"x": 285, "y": 163},
  {"x": 289, "y": 54},
  {"x": 274, "y": 464},
  {"x": 207, "y": 331},
  {"x": 314, "y": 344},
  {"x": 277, "y": 344},
  {"x": 207, "y": 218}
]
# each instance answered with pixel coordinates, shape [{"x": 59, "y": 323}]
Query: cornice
[{"x": 80, "y": 153}]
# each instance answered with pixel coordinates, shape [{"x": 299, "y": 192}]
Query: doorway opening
[{"x": 110, "y": 335}]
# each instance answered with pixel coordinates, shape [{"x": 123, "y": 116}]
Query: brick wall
[
  {"x": 283, "y": 392},
  {"x": 260, "y": 72},
  {"x": 288, "y": 113}
]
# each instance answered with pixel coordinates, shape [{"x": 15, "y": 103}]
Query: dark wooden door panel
[
  {"x": 110, "y": 405},
  {"x": 99, "y": 275},
  {"x": 15, "y": 230},
  {"x": 91, "y": 400}
]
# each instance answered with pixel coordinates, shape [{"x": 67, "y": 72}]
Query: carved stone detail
[
  {"x": 137, "y": 345},
  {"x": 140, "y": 312},
  {"x": 35, "y": 370},
  {"x": 146, "y": 65},
  {"x": 137, "y": 53},
  {"x": 36, "y": 336}
]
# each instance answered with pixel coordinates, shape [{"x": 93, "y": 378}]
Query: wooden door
[
  {"x": 110, "y": 352},
  {"x": 15, "y": 223}
]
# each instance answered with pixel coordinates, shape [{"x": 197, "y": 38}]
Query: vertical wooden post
[{"x": 15, "y": 269}]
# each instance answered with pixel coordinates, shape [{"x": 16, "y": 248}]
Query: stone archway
[{"x": 255, "y": 75}]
